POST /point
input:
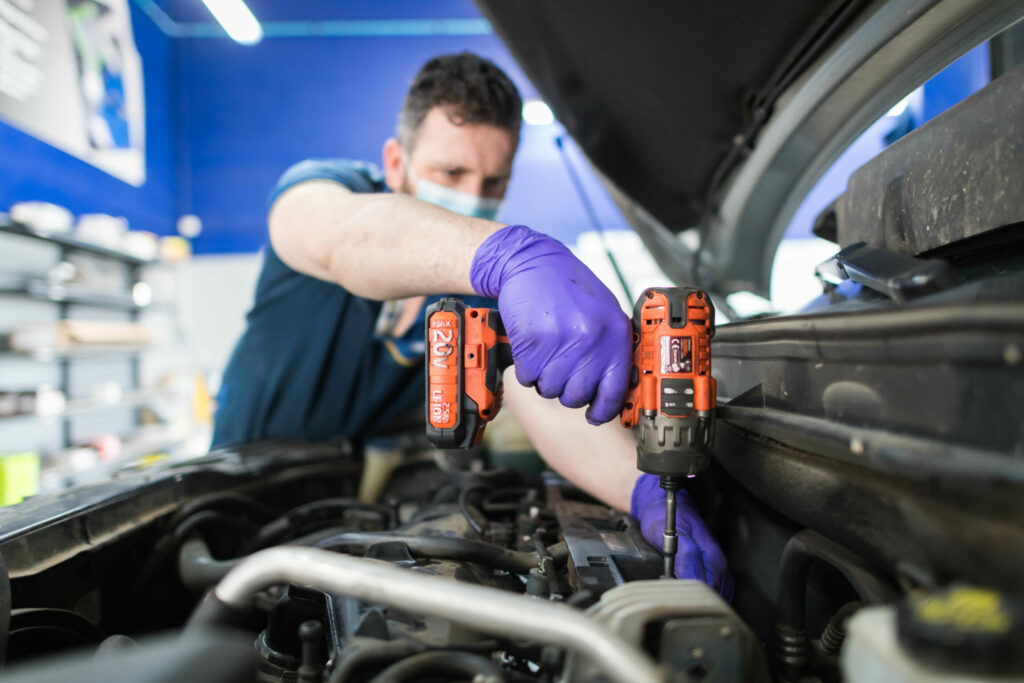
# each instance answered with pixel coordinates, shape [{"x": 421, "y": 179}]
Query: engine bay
[
  {"x": 298, "y": 562},
  {"x": 455, "y": 573}
]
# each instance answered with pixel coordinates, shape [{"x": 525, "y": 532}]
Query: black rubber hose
[
  {"x": 835, "y": 632},
  {"x": 5, "y": 610},
  {"x": 438, "y": 548},
  {"x": 559, "y": 552},
  {"x": 476, "y": 519},
  {"x": 355, "y": 657},
  {"x": 800, "y": 552},
  {"x": 223, "y": 501},
  {"x": 198, "y": 570},
  {"x": 314, "y": 537},
  {"x": 362, "y": 652},
  {"x": 204, "y": 519},
  {"x": 298, "y": 520},
  {"x": 451, "y": 664},
  {"x": 171, "y": 541},
  {"x": 805, "y": 547}
]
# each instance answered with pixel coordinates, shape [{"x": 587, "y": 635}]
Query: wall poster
[{"x": 70, "y": 76}]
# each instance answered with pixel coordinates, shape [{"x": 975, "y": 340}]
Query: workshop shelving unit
[
  {"x": 69, "y": 299},
  {"x": 65, "y": 295},
  {"x": 73, "y": 294}
]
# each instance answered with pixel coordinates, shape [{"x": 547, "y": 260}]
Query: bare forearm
[
  {"x": 380, "y": 246},
  {"x": 600, "y": 460},
  {"x": 397, "y": 246}
]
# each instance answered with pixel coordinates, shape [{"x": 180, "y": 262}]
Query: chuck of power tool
[
  {"x": 671, "y": 401},
  {"x": 467, "y": 353}
]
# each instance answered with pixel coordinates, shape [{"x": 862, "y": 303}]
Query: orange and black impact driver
[
  {"x": 671, "y": 401},
  {"x": 467, "y": 353}
]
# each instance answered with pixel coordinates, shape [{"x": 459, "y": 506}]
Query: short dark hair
[{"x": 470, "y": 88}]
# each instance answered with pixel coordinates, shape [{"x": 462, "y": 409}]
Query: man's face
[{"x": 472, "y": 158}]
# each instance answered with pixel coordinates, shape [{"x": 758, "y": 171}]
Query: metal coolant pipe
[{"x": 485, "y": 609}]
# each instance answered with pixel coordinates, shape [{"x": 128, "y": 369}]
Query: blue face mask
[{"x": 455, "y": 201}]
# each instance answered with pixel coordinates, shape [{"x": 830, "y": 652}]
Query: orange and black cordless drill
[
  {"x": 467, "y": 353},
  {"x": 671, "y": 400}
]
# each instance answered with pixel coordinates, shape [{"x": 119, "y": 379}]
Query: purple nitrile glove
[
  {"x": 568, "y": 335},
  {"x": 699, "y": 556}
]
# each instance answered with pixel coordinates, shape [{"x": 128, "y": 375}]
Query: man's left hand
[{"x": 699, "y": 556}]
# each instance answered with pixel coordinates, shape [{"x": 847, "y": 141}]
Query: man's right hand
[{"x": 569, "y": 337}]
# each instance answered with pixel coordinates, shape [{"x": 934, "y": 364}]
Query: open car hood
[{"x": 718, "y": 117}]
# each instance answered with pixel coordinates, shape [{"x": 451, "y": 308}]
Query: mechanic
[{"x": 322, "y": 357}]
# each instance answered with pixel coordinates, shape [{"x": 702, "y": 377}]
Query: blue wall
[
  {"x": 33, "y": 170},
  {"x": 266, "y": 107},
  {"x": 250, "y": 112},
  {"x": 225, "y": 120}
]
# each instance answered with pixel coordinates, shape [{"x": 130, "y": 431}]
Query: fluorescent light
[
  {"x": 900, "y": 106},
  {"x": 536, "y": 113},
  {"x": 236, "y": 19}
]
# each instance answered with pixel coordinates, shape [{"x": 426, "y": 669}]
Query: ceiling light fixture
[
  {"x": 236, "y": 19},
  {"x": 536, "y": 113}
]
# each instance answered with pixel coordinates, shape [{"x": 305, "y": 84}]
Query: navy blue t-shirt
[{"x": 310, "y": 365}]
